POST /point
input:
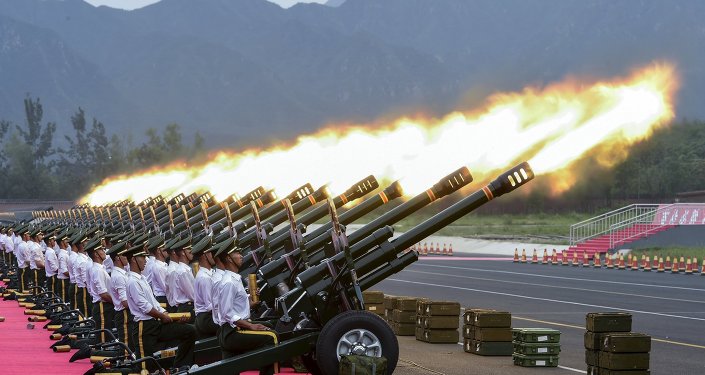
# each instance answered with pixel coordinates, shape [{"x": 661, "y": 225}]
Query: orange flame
[{"x": 551, "y": 127}]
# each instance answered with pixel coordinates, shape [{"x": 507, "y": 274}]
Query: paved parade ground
[{"x": 669, "y": 307}]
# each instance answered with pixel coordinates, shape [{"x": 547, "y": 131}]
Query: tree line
[
  {"x": 33, "y": 165},
  {"x": 672, "y": 160}
]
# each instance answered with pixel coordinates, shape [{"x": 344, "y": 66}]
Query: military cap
[
  {"x": 3, "y": 230},
  {"x": 136, "y": 250},
  {"x": 80, "y": 236},
  {"x": 155, "y": 242},
  {"x": 50, "y": 237},
  {"x": 93, "y": 245},
  {"x": 202, "y": 245},
  {"x": 184, "y": 243},
  {"x": 227, "y": 247},
  {"x": 116, "y": 248}
]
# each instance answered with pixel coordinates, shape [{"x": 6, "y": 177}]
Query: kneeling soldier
[{"x": 153, "y": 324}]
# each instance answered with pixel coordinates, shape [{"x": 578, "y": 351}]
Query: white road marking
[
  {"x": 558, "y": 287},
  {"x": 572, "y": 369},
  {"x": 550, "y": 300},
  {"x": 562, "y": 277}
]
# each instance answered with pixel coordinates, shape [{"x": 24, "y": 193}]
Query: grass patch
[{"x": 687, "y": 252}]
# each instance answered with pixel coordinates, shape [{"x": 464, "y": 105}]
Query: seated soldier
[{"x": 237, "y": 334}]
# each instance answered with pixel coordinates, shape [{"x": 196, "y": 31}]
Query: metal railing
[
  {"x": 644, "y": 224},
  {"x": 603, "y": 224}
]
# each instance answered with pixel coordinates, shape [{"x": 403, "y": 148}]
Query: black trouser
[
  {"x": 51, "y": 284},
  {"x": 73, "y": 291},
  {"x": 149, "y": 333},
  {"x": 234, "y": 342},
  {"x": 38, "y": 276},
  {"x": 186, "y": 308},
  {"x": 205, "y": 325},
  {"x": 82, "y": 300},
  {"x": 62, "y": 286},
  {"x": 102, "y": 314},
  {"x": 24, "y": 279},
  {"x": 123, "y": 322}
]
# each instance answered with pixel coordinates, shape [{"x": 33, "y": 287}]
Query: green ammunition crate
[
  {"x": 418, "y": 332},
  {"x": 626, "y": 342},
  {"x": 403, "y": 329},
  {"x": 608, "y": 322},
  {"x": 442, "y": 308},
  {"x": 377, "y": 308},
  {"x": 624, "y": 361},
  {"x": 389, "y": 301},
  {"x": 405, "y": 303},
  {"x": 605, "y": 371},
  {"x": 593, "y": 340},
  {"x": 535, "y": 360},
  {"x": 389, "y": 314},
  {"x": 440, "y": 322},
  {"x": 440, "y": 336},
  {"x": 373, "y": 297},
  {"x": 487, "y": 348},
  {"x": 407, "y": 317},
  {"x": 533, "y": 348},
  {"x": 592, "y": 357},
  {"x": 488, "y": 318},
  {"x": 593, "y": 370},
  {"x": 536, "y": 335},
  {"x": 487, "y": 334}
]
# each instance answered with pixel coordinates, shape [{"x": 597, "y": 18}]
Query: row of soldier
[{"x": 131, "y": 281}]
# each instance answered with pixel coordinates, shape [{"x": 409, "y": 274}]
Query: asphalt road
[{"x": 669, "y": 307}]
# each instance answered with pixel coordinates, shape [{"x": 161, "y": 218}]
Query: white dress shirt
[
  {"x": 140, "y": 298},
  {"x": 118, "y": 287},
  {"x": 35, "y": 255},
  {"x": 52, "y": 262},
  {"x": 171, "y": 284},
  {"x": 99, "y": 281},
  {"x": 22, "y": 255},
  {"x": 184, "y": 284},
  {"x": 147, "y": 271},
  {"x": 108, "y": 265},
  {"x": 232, "y": 299},
  {"x": 62, "y": 257},
  {"x": 72, "y": 264},
  {"x": 217, "y": 278},
  {"x": 83, "y": 264},
  {"x": 158, "y": 278},
  {"x": 203, "y": 291}
]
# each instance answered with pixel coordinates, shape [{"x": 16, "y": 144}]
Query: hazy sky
[{"x": 133, "y": 4}]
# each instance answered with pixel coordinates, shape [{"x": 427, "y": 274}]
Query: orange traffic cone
[
  {"x": 695, "y": 264},
  {"x": 629, "y": 260},
  {"x": 534, "y": 258},
  {"x": 647, "y": 264},
  {"x": 586, "y": 259},
  {"x": 608, "y": 261},
  {"x": 575, "y": 259},
  {"x": 702, "y": 270},
  {"x": 635, "y": 264},
  {"x": 545, "y": 257},
  {"x": 450, "y": 250},
  {"x": 596, "y": 260},
  {"x": 554, "y": 258},
  {"x": 674, "y": 267},
  {"x": 523, "y": 255},
  {"x": 438, "y": 248},
  {"x": 564, "y": 258},
  {"x": 660, "y": 265},
  {"x": 425, "y": 249},
  {"x": 654, "y": 264},
  {"x": 516, "y": 255},
  {"x": 688, "y": 267},
  {"x": 621, "y": 262},
  {"x": 681, "y": 264},
  {"x": 668, "y": 262},
  {"x": 643, "y": 261},
  {"x": 445, "y": 249}
]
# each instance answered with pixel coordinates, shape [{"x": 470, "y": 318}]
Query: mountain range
[{"x": 243, "y": 71}]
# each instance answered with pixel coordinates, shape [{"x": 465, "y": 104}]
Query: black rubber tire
[{"x": 327, "y": 343}]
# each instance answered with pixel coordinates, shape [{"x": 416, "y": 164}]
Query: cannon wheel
[{"x": 355, "y": 332}]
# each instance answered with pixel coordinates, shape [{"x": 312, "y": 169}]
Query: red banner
[{"x": 681, "y": 214}]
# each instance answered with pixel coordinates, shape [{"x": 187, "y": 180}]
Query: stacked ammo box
[
  {"x": 437, "y": 321},
  {"x": 487, "y": 332},
  {"x": 536, "y": 347},
  {"x": 400, "y": 313},
  {"x": 610, "y": 347},
  {"x": 374, "y": 302}
]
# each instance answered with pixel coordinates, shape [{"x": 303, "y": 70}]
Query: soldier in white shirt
[
  {"x": 218, "y": 273},
  {"x": 73, "y": 266},
  {"x": 152, "y": 323},
  {"x": 82, "y": 264},
  {"x": 183, "y": 278},
  {"x": 203, "y": 290},
  {"x": 122, "y": 320},
  {"x": 22, "y": 254},
  {"x": 36, "y": 257},
  {"x": 172, "y": 305},
  {"x": 98, "y": 282},
  {"x": 237, "y": 334},
  {"x": 62, "y": 274},
  {"x": 156, "y": 276},
  {"x": 51, "y": 264},
  {"x": 10, "y": 245}
]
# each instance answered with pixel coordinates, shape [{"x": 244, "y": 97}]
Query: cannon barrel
[
  {"x": 443, "y": 187},
  {"x": 383, "y": 257},
  {"x": 279, "y": 238}
]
